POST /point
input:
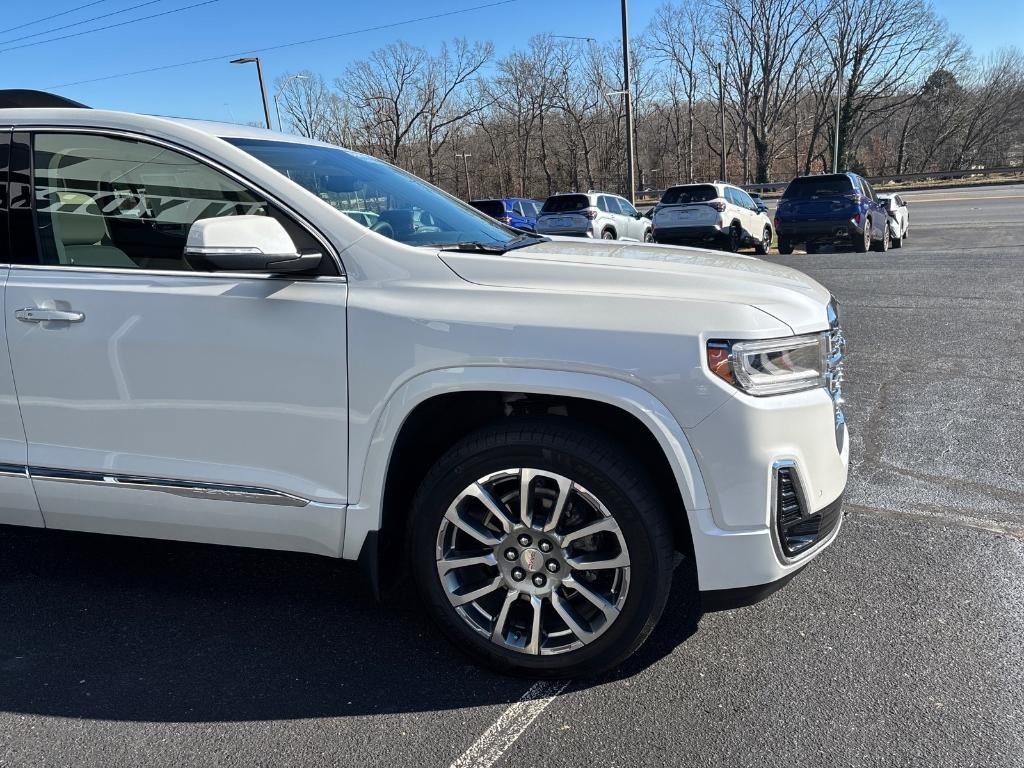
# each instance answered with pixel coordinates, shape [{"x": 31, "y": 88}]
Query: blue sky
[{"x": 218, "y": 28}]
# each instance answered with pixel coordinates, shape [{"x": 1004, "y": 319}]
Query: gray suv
[{"x": 593, "y": 214}]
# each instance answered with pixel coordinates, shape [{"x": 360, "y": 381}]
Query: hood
[{"x": 609, "y": 267}]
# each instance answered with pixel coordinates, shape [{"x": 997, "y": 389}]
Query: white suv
[
  {"x": 718, "y": 214},
  {"x": 200, "y": 345},
  {"x": 594, "y": 214}
]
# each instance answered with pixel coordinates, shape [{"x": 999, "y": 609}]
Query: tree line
[{"x": 759, "y": 80}]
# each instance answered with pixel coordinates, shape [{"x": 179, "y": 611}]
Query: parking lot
[{"x": 901, "y": 645}]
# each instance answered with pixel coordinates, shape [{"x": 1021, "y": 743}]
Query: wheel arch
[{"x": 416, "y": 426}]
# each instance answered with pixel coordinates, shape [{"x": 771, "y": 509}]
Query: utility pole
[
  {"x": 722, "y": 171},
  {"x": 839, "y": 98},
  {"x": 469, "y": 187},
  {"x": 263, "y": 86},
  {"x": 630, "y": 159}
]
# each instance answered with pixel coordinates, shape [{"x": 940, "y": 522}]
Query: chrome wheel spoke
[
  {"x": 563, "y": 609},
  {"x": 476, "y": 594},
  {"x": 498, "y": 633},
  {"x": 451, "y": 563},
  {"x": 610, "y": 611},
  {"x": 479, "y": 533},
  {"x": 534, "y": 645},
  {"x": 564, "y": 489},
  {"x": 526, "y": 477},
  {"x": 604, "y": 525},
  {"x": 477, "y": 491},
  {"x": 599, "y": 563}
]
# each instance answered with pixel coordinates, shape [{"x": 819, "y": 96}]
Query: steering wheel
[{"x": 384, "y": 228}]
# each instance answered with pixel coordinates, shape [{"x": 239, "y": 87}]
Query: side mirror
[{"x": 245, "y": 244}]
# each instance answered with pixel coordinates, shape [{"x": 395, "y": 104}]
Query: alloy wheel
[{"x": 533, "y": 561}]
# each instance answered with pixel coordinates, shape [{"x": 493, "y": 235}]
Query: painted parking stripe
[{"x": 496, "y": 740}]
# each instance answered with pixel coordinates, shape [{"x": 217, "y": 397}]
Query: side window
[
  {"x": 627, "y": 209},
  {"x": 105, "y": 201},
  {"x": 602, "y": 204},
  {"x": 517, "y": 208},
  {"x": 745, "y": 200},
  {"x": 730, "y": 196}
]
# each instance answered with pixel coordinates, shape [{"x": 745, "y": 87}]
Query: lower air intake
[{"x": 798, "y": 530}]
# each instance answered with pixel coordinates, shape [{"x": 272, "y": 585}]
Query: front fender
[{"x": 370, "y": 461}]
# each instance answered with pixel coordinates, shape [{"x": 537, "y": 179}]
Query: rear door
[
  {"x": 18, "y": 505},
  {"x": 157, "y": 400}
]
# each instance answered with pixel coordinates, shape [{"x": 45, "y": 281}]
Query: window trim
[
  {"x": 6, "y": 141},
  {"x": 328, "y": 248}
]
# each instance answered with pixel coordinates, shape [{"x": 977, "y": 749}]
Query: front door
[{"x": 157, "y": 400}]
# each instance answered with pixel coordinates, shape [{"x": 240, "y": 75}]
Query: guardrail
[{"x": 778, "y": 186}]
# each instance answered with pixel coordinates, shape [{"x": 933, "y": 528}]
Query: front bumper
[{"x": 738, "y": 449}]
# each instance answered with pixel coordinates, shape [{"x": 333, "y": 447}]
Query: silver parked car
[{"x": 593, "y": 214}]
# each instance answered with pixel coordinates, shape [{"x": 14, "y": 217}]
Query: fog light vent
[{"x": 798, "y": 530}]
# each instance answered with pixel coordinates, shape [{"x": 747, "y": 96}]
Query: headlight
[{"x": 772, "y": 366}]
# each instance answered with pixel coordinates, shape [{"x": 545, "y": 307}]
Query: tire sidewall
[{"x": 650, "y": 567}]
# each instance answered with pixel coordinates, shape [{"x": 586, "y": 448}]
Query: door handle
[{"x": 39, "y": 315}]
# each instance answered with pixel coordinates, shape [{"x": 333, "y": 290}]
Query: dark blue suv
[
  {"x": 518, "y": 212},
  {"x": 839, "y": 209}
]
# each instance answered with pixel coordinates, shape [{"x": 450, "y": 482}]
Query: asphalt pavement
[{"x": 901, "y": 645}]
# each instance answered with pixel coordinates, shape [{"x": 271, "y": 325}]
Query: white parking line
[{"x": 496, "y": 740}]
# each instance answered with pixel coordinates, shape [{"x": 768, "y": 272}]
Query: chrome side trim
[
  {"x": 181, "y": 273},
  {"x": 13, "y": 470},
  {"x": 187, "y": 488}
]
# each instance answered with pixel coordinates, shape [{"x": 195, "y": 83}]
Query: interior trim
[{"x": 187, "y": 488}]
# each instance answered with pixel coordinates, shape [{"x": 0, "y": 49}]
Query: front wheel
[
  {"x": 539, "y": 548},
  {"x": 648, "y": 236},
  {"x": 785, "y": 246}
]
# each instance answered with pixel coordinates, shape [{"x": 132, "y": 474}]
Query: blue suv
[
  {"x": 839, "y": 209},
  {"x": 518, "y": 212}
]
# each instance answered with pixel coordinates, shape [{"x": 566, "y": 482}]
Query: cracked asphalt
[{"x": 900, "y": 646}]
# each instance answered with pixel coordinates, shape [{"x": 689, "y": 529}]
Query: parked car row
[{"x": 837, "y": 210}]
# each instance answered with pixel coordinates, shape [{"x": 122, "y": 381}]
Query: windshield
[
  {"x": 565, "y": 203},
  {"x": 402, "y": 206},
  {"x": 807, "y": 187},
  {"x": 697, "y": 193}
]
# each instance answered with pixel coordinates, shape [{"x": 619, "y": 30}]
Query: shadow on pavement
[{"x": 132, "y": 629}]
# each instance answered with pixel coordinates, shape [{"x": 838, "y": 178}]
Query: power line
[
  {"x": 81, "y": 21},
  {"x": 109, "y": 26},
  {"x": 54, "y": 16},
  {"x": 285, "y": 45}
]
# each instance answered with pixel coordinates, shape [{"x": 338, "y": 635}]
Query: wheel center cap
[{"x": 532, "y": 560}]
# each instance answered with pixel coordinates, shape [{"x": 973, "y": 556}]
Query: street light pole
[
  {"x": 835, "y": 151},
  {"x": 277, "y": 99},
  {"x": 630, "y": 159},
  {"x": 469, "y": 187},
  {"x": 722, "y": 169},
  {"x": 263, "y": 86}
]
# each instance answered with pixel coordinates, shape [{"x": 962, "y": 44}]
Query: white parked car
[
  {"x": 712, "y": 214},
  {"x": 593, "y": 214},
  {"x": 899, "y": 217},
  {"x": 199, "y": 346}
]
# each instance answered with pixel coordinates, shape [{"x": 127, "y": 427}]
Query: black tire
[
  {"x": 785, "y": 246},
  {"x": 648, "y": 236},
  {"x": 734, "y": 240},
  {"x": 589, "y": 458},
  {"x": 897, "y": 242},
  {"x": 608, "y": 234},
  {"x": 811, "y": 248},
  {"x": 881, "y": 246},
  {"x": 861, "y": 244},
  {"x": 765, "y": 243}
]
